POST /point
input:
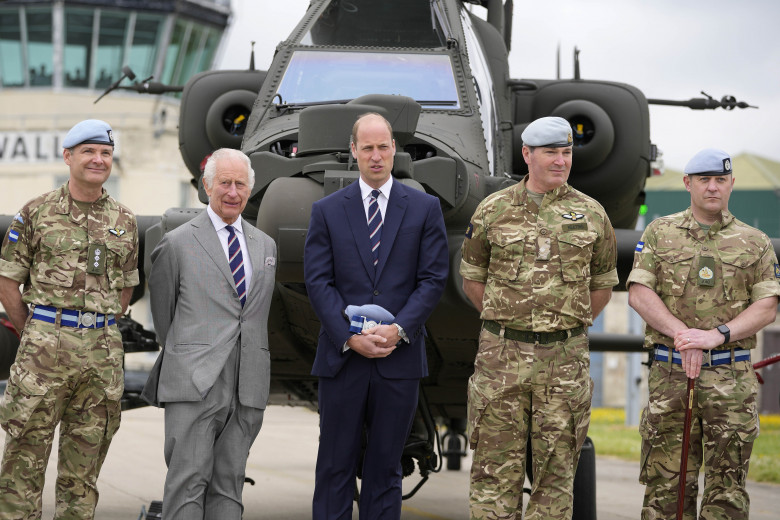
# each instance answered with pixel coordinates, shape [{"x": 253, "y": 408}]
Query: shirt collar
[
  {"x": 66, "y": 203},
  {"x": 521, "y": 191},
  {"x": 220, "y": 224},
  {"x": 365, "y": 189},
  {"x": 689, "y": 222}
]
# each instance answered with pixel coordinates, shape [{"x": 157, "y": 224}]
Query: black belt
[{"x": 529, "y": 336}]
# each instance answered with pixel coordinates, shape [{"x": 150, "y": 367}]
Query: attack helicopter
[{"x": 439, "y": 73}]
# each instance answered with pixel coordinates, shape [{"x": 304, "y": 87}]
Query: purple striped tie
[
  {"x": 236, "y": 261},
  {"x": 374, "y": 225}
]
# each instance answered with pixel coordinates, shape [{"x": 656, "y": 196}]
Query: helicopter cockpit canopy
[{"x": 315, "y": 76}]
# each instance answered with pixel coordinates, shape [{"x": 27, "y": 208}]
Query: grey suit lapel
[
  {"x": 206, "y": 235},
  {"x": 256, "y": 255}
]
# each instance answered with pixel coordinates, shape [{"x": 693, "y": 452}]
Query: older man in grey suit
[{"x": 211, "y": 283}]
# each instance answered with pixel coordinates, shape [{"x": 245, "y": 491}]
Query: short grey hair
[{"x": 210, "y": 170}]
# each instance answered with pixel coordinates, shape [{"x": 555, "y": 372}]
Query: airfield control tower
[{"x": 57, "y": 57}]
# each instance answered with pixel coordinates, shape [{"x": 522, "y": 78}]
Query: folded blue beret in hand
[{"x": 367, "y": 316}]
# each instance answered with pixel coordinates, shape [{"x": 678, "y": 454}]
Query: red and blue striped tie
[
  {"x": 236, "y": 261},
  {"x": 374, "y": 225}
]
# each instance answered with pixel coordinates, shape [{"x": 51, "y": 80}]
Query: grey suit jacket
[{"x": 198, "y": 317}]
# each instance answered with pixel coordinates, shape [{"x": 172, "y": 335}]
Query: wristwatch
[
  {"x": 401, "y": 332},
  {"x": 726, "y": 332}
]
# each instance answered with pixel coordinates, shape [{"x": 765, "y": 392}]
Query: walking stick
[
  {"x": 767, "y": 361},
  {"x": 686, "y": 443},
  {"x": 763, "y": 363}
]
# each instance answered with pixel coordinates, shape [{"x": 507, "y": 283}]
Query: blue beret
[
  {"x": 548, "y": 132},
  {"x": 370, "y": 311},
  {"x": 709, "y": 162},
  {"x": 362, "y": 317},
  {"x": 91, "y": 131}
]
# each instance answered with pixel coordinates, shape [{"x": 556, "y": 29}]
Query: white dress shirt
[
  {"x": 223, "y": 235},
  {"x": 365, "y": 192}
]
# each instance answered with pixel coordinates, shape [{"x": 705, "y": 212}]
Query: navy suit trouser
[{"x": 359, "y": 396}]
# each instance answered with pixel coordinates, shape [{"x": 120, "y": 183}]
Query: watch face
[{"x": 723, "y": 329}]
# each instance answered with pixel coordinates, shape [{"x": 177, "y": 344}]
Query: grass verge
[{"x": 612, "y": 437}]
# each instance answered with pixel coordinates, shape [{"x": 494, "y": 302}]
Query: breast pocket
[
  {"x": 119, "y": 251},
  {"x": 58, "y": 260},
  {"x": 507, "y": 248},
  {"x": 674, "y": 266},
  {"x": 576, "y": 251},
  {"x": 736, "y": 273}
]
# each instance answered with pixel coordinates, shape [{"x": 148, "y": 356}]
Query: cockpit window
[
  {"x": 317, "y": 76},
  {"x": 372, "y": 23}
]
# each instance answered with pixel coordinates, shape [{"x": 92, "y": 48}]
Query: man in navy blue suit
[{"x": 378, "y": 242}]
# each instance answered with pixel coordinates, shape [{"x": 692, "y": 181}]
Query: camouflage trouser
[
  {"x": 521, "y": 389},
  {"x": 68, "y": 375},
  {"x": 724, "y": 425}
]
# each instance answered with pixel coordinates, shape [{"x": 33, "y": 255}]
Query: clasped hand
[
  {"x": 691, "y": 343},
  {"x": 376, "y": 342}
]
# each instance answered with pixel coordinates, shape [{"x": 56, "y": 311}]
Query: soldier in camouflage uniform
[
  {"x": 705, "y": 283},
  {"x": 75, "y": 251},
  {"x": 539, "y": 263}
]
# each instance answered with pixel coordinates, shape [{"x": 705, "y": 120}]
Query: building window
[
  {"x": 207, "y": 56},
  {"x": 178, "y": 39},
  {"x": 26, "y": 49},
  {"x": 191, "y": 54},
  {"x": 143, "y": 51},
  {"x": 11, "y": 62},
  {"x": 78, "y": 46},
  {"x": 110, "y": 51},
  {"x": 40, "y": 49},
  {"x": 96, "y": 43}
]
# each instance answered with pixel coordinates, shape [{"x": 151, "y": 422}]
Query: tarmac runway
[{"x": 282, "y": 465}]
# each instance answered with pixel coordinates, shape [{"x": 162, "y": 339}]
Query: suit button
[{"x": 376, "y": 292}]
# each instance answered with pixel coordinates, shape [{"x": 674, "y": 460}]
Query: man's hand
[
  {"x": 11, "y": 298},
  {"x": 687, "y": 339},
  {"x": 691, "y": 362},
  {"x": 692, "y": 343},
  {"x": 372, "y": 345},
  {"x": 389, "y": 332}
]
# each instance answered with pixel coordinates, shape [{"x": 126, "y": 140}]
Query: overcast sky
[{"x": 670, "y": 49}]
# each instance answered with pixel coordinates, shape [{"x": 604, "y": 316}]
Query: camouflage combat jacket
[
  {"x": 742, "y": 268},
  {"x": 46, "y": 249},
  {"x": 539, "y": 264}
]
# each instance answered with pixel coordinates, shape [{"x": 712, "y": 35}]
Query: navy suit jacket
[{"x": 408, "y": 281}]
